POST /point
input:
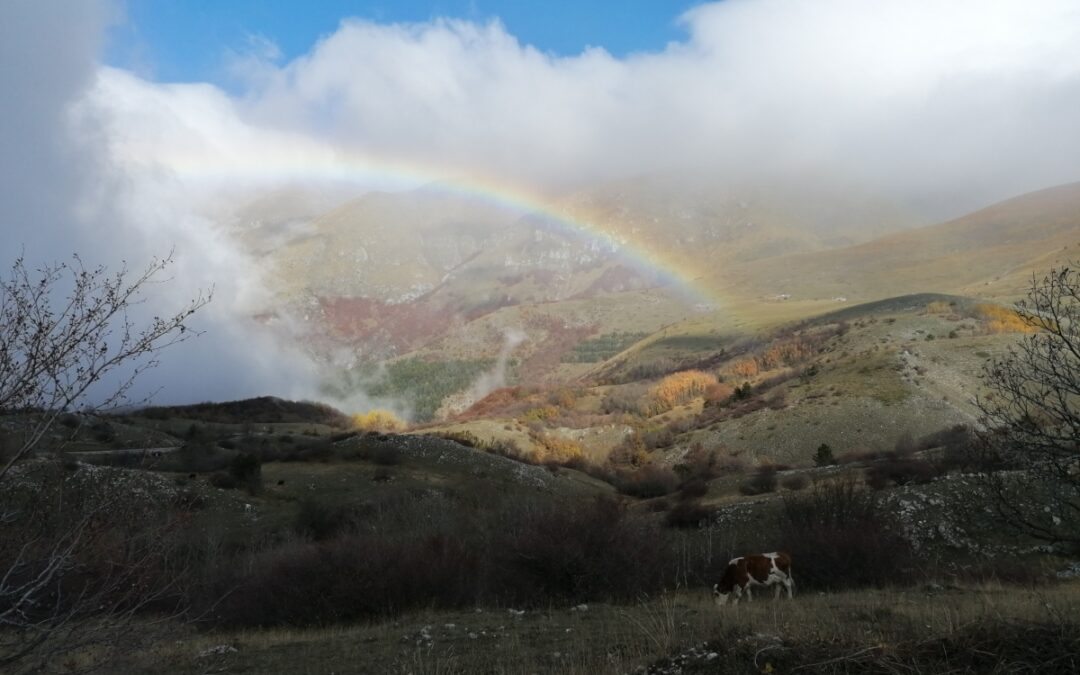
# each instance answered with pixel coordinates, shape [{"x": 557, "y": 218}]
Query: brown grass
[{"x": 989, "y": 628}]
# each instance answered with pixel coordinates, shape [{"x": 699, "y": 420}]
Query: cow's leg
[
  {"x": 776, "y": 592},
  {"x": 749, "y": 596},
  {"x": 789, "y": 584}
]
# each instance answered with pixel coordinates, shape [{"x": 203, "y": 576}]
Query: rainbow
[{"x": 321, "y": 166}]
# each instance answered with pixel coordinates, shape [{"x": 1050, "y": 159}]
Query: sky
[
  {"x": 191, "y": 41},
  {"x": 129, "y": 130}
]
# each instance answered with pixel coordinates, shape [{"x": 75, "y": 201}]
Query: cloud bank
[
  {"x": 915, "y": 97},
  {"x": 944, "y": 104}
]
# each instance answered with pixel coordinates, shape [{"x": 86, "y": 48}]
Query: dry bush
[
  {"x": 721, "y": 392},
  {"x": 694, "y": 488},
  {"x": 840, "y": 535},
  {"x": 540, "y": 413},
  {"x": 581, "y": 552},
  {"x": 347, "y": 578},
  {"x": 559, "y": 449},
  {"x": 699, "y": 462},
  {"x": 564, "y": 397},
  {"x": 319, "y": 520},
  {"x": 523, "y": 553},
  {"x": 795, "y": 482},
  {"x": 630, "y": 398},
  {"x": 744, "y": 368},
  {"x": 763, "y": 481},
  {"x": 377, "y": 420},
  {"x": 630, "y": 452},
  {"x": 679, "y": 388},
  {"x": 998, "y": 319},
  {"x": 688, "y": 514},
  {"x": 657, "y": 437},
  {"x": 647, "y": 482},
  {"x": 87, "y": 555},
  {"x": 884, "y": 473}
]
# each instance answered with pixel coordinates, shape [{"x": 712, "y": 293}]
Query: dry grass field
[{"x": 929, "y": 629}]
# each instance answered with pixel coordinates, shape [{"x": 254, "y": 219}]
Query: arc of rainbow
[{"x": 374, "y": 172}]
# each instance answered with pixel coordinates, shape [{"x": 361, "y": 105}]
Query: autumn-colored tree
[
  {"x": 678, "y": 388},
  {"x": 540, "y": 413},
  {"x": 745, "y": 368},
  {"x": 377, "y": 420},
  {"x": 719, "y": 392},
  {"x": 998, "y": 319},
  {"x": 564, "y": 397},
  {"x": 559, "y": 449}
]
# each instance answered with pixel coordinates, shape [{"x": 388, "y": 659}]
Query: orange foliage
[
  {"x": 938, "y": 307},
  {"x": 494, "y": 403},
  {"x": 564, "y": 397},
  {"x": 787, "y": 352},
  {"x": 377, "y": 420},
  {"x": 719, "y": 392},
  {"x": 745, "y": 368},
  {"x": 998, "y": 319},
  {"x": 560, "y": 449},
  {"x": 679, "y": 388},
  {"x": 544, "y": 412}
]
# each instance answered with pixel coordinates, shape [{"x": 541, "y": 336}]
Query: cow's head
[{"x": 721, "y": 597}]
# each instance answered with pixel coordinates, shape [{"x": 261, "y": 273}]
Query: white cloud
[{"x": 913, "y": 96}]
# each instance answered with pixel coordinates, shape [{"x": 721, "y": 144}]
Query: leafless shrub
[
  {"x": 1032, "y": 415},
  {"x": 887, "y": 472},
  {"x": 688, "y": 514},
  {"x": 795, "y": 482},
  {"x": 763, "y": 481},
  {"x": 841, "y": 536},
  {"x": 64, "y": 329},
  {"x": 647, "y": 482}
]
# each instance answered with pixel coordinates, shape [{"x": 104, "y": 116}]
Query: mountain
[
  {"x": 991, "y": 253},
  {"x": 386, "y": 273},
  {"x": 431, "y": 282}
]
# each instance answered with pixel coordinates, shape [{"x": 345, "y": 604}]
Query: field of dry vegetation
[
  {"x": 988, "y": 628},
  {"x": 559, "y": 529}
]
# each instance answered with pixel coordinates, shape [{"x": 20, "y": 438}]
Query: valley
[{"x": 570, "y": 451}]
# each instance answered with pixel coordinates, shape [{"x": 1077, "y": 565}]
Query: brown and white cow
[{"x": 762, "y": 569}]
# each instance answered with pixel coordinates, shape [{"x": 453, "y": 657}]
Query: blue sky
[{"x": 189, "y": 40}]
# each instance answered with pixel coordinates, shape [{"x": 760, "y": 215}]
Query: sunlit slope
[
  {"x": 392, "y": 273},
  {"x": 860, "y": 379},
  {"x": 991, "y": 252},
  {"x": 711, "y": 221},
  {"x": 388, "y": 247}
]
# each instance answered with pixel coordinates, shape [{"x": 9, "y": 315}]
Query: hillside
[
  {"x": 388, "y": 274},
  {"x": 434, "y": 278},
  {"x": 989, "y": 253},
  {"x": 606, "y": 506},
  {"x": 859, "y": 379}
]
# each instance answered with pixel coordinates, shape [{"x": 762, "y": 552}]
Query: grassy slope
[
  {"x": 991, "y": 250},
  {"x": 881, "y": 631},
  {"x": 881, "y": 380},
  {"x": 878, "y": 382}
]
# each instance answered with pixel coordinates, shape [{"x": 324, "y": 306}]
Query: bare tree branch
[
  {"x": 77, "y": 563},
  {"x": 1031, "y": 440}
]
